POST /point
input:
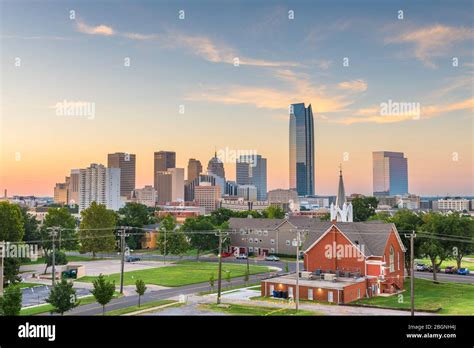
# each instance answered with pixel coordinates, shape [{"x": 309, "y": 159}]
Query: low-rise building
[
  {"x": 451, "y": 204},
  {"x": 343, "y": 262}
]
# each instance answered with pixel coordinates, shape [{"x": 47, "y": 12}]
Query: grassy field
[
  {"x": 237, "y": 309},
  {"x": 447, "y": 263},
  {"x": 143, "y": 306},
  {"x": 46, "y": 308},
  {"x": 453, "y": 298},
  {"x": 182, "y": 273},
  {"x": 70, "y": 258}
]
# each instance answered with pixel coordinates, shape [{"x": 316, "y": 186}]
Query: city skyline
[{"x": 182, "y": 90}]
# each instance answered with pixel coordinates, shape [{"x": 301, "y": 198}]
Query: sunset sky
[{"x": 47, "y": 57}]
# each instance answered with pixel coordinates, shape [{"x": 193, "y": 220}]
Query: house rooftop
[
  {"x": 372, "y": 235},
  {"x": 339, "y": 284}
]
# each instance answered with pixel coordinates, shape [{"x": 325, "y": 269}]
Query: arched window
[{"x": 392, "y": 259}]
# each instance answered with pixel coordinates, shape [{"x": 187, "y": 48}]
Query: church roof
[{"x": 341, "y": 193}]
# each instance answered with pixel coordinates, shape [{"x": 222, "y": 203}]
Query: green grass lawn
[
  {"x": 28, "y": 285},
  {"x": 447, "y": 263},
  {"x": 136, "y": 308},
  {"x": 182, "y": 273},
  {"x": 453, "y": 298},
  {"x": 237, "y": 309},
  {"x": 70, "y": 258},
  {"x": 46, "y": 308}
]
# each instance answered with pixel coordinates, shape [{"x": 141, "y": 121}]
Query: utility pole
[
  {"x": 2, "y": 256},
  {"x": 219, "y": 276},
  {"x": 412, "y": 270},
  {"x": 53, "y": 232},
  {"x": 164, "y": 251},
  {"x": 297, "y": 296},
  {"x": 122, "y": 253}
]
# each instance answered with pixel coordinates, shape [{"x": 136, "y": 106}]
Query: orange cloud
[{"x": 98, "y": 30}]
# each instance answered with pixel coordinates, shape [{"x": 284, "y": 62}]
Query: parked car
[
  {"x": 225, "y": 254},
  {"x": 420, "y": 267},
  {"x": 241, "y": 257},
  {"x": 430, "y": 269},
  {"x": 272, "y": 258},
  {"x": 450, "y": 270},
  {"x": 463, "y": 271},
  {"x": 132, "y": 258}
]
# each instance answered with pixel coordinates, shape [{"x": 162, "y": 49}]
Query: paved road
[
  {"x": 447, "y": 277},
  {"x": 127, "y": 301}
]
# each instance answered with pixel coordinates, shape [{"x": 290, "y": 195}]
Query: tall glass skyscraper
[
  {"x": 252, "y": 170},
  {"x": 301, "y": 149},
  {"x": 390, "y": 173}
]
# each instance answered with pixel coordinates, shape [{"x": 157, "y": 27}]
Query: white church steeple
[{"x": 342, "y": 211}]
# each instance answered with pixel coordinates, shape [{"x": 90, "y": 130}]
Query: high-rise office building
[
  {"x": 73, "y": 187},
  {"x": 247, "y": 192},
  {"x": 170, "y": 185},
  {"x": 302, "y": 149},
  {"x": 390, "y": 173},
  {"x": 194, "y": 169},
  {"x": 61, "y": 192},
  {"x": 127, "y": 164},
  {"x": 207, "y": 196},
  {"x": 163, "y": 160},
  {"x": 146, "y": 196},
  {"x": 252, "y": 170},
  {"x": 215, "y": 166},
  {"x": 177, "y": 184},
  {"x": 101, "y": 185}
]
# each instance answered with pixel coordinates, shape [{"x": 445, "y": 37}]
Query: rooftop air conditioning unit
[
  {"x": 305, "y": 275},
  {"x": 329, "y": 276}
]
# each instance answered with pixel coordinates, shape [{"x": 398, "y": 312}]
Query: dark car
[
  {"x": 132, "y": 258},
  {"x": 450, "y": 270},
  {"x": 430, "y": 269}
]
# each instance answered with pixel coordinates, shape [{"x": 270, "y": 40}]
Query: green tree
[
  {"x": 274, "y": 212},
  {"x": 287, "y": 267},
  {"x": 406, "y": 221},
  {"x": 432, "y": 246},
  {"x": 60, "y": 258},
  {"x": 103, "y": 291},
  {"x": 165, "y": 234},
  {"x": 364, "y": 207},
  {"x": 62, "y": 297},
  {"x": 221, "y": 215},
  {"x": 32, "y": 232},
  {"x": 177, "y": 243},
  {"x": 200, "y": 241},
  {"x": 140, "y": 289},
  {"x": 135, "y": 215},
  {"x": 325, "y": 217},
  {"x": 97, "y": 229},
  {"x": 211, "y": 281},
  {"x": 12, "y": 229},
  {"x": 10, "y": 302},
  {"x": 460, "y": 227},
  {"x": 67, "y": 238}
]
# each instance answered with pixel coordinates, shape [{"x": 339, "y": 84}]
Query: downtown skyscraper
[
  {"x": 252, "y": 170},
  {"x": 302, "y": 149},
  {"x": 127, "y": 164},
  {"x": 390, "y": 173}
]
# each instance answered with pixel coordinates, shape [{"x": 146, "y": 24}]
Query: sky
[{"x": 143, "y": 76}]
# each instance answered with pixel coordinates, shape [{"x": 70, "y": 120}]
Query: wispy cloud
[
  {"x": 199, "y": 45},
  {"x": 354, "y": 85},
  {"x": 299, "y": 88},
  {"x": 373, "y": 114},
  {"x": 432, "y": 41},
  {"x": 94, "y": 30}
]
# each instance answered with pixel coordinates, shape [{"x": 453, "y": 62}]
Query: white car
[{"x": 241, "y": 257}]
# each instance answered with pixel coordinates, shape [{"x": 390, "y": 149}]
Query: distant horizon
[{"x": 80, "y": 81}]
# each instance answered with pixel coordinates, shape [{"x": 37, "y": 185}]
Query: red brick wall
[
  {"x": 317, "y": 256},
  {"x": 398, "y": 274}
]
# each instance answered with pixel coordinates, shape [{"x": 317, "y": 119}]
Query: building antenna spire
[{"x": 340, "y": 169}]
